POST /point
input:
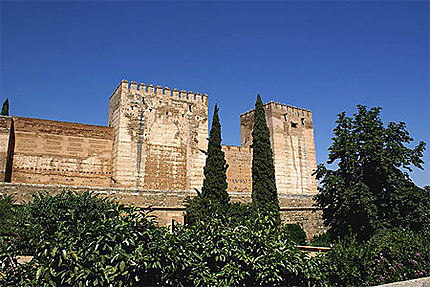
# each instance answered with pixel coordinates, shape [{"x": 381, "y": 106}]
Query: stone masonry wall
[
  {"x": 53, "y": 152},
  {"x": 159, "y": 137},
  {"x": 239, "y": 160},
  {"x": 168, "y": 205}
]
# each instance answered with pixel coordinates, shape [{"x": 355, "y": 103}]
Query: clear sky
[{"x": 62, "y": 60}]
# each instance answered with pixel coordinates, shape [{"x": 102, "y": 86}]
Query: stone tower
[
  {"x": 292, "y": 138},
  {"x": 159, "y": 136}
]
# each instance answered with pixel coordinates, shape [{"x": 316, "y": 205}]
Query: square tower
[
  {"x": 292, "y": 139},
  {"x": 159, "y": 136}
]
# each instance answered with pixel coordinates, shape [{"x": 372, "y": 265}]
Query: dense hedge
[
  {"x": 76, "y": 240},
  {"x": 389, "y": 256},
  {"x": 84, "y": 240}
]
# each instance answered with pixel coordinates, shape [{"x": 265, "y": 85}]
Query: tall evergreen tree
[
  {"x": 213, "y": 199},
  {"x": 264, "y": 193},
  {"x": 215, "y": 178},
  {"x": 5, "y": 108}
]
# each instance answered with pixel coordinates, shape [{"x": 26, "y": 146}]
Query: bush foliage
[
  {"x": 7, "y": 213},
  {"x": 77, "y": 240},
  {"x": 84, "y": 240},
  {"x": 295, "y": 233},
  {"x": 388, "y": 256}
]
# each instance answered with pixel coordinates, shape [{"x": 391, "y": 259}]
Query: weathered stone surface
[
  {"x": 53, "y": 152},
  {"x": 159, "y": 137},
  {"x": 239, "y": 161}
]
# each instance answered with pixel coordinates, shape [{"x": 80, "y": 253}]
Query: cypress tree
[
  {"x": 215, "y": 178},
  {"x": 264, "y": 193},
  {"x": 5, "y": 108},
  {"x": 213, "y": 200}
]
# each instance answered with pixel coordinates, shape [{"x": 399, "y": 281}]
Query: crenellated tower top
[{"x": 159, "y": 91}]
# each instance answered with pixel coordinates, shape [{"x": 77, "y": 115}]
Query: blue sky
[{"x": 62, "y": 60}]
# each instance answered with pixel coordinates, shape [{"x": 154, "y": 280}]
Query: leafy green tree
[
  {"x": 370, "y": 189},
  {"x": 264, "y": 192},
  {"x": 213, "y": 198},
  {"x": 5, "y": 108}
]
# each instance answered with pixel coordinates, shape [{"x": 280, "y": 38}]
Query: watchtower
[
  {"x": 292, "y": 139},
  {"x": 159, "y": 137}
]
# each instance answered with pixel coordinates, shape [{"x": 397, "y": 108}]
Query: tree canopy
[
  {"x": 371, "y": 189},
  {"x": 264, "y": 192}
]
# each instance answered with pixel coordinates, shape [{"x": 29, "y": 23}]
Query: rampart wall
[{"x": 54, "y": 152}]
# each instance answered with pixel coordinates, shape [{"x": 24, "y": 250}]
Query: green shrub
[
  {"x": 346, "y": 263},
  {"x": 79, "y": 240},
  {"x": 399, "y": 255},
  {"x": 322, "y": 240},
  {"x": 389, "y": 256},
  {"x": 199, "y": 208},
  {"x": 212, "y": 253},
  {"x": 97, "y": 242},
  {"x": 295, "y": 233}
]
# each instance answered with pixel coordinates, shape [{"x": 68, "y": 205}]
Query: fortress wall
[
  {"x": 152, "y": 154},
  {"x": 159, "y": 137},
  {"x": 239, "y": 160},
  {"x": 168, "y": 205},
  {"x": 54, "y": 152},
  {"x": 6, "y": 147}
]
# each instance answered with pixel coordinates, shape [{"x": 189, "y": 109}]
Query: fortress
[{"x": 152, "y": 153}]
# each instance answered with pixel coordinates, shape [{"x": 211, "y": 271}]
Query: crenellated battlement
[
  {"x": 159, "y": 91},
  {"x": 287, "y": 109},
  {"x": 291, "y": 110}
]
